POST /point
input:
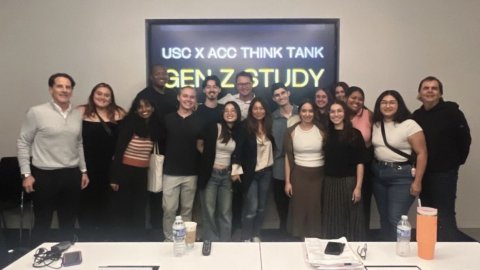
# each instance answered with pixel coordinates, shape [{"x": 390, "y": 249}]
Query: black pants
[
  {"x": 56, "y": 190},
  {"x": 130, "y": 201},
  {"x": 281, "y": 201},
  {"x": 156, "y": 210},
  {"x": 439, "y": 190}
]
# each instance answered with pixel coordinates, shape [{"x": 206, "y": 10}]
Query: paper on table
[{"x": 316, "y": 255}]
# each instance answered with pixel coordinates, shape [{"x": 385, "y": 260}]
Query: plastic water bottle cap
[{"x": 404, "y": 217}]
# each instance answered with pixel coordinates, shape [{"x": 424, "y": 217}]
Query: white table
[
  {"x": 448, "y": 256},
  {"x": 224, "y": 256},
  {"x": 252, "y": 256}
]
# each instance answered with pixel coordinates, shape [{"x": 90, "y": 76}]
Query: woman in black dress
[{"x": 101, "y": 116}]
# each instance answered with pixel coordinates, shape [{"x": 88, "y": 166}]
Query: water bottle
[
  {"x": 179, "y": 233},
  {"x": 404, "y": 231}
]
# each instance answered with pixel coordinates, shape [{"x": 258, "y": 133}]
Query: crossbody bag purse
[
  {"x": 107, "y": 129},
  {"x": 412, "y": 159}
]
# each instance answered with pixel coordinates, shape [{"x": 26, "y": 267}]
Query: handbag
[
  {"x": 412, "y": 159},
  {"x": 155, "y": 171}
]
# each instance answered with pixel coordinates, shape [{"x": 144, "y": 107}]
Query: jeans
[
  {"x": 254, "y": 203},
  {"x": 177, "y": 189},
  {"x": 216, "y": 200},
  {"x": 391, "y": 188},
  {"x": 439, "y": 190}
]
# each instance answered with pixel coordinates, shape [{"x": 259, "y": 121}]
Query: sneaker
[
  {"x": 246, "y": 241},
  {"x": 256, "y": 239}
]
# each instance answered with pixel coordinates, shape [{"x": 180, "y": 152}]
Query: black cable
[{"x": 44, "y": 257}]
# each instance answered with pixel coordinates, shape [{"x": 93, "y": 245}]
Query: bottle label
[
  {"x": 179, "y": 234},
  {"x": 403, "y": 232}
]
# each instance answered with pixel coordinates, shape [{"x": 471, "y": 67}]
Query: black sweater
[{"x": 447, "y": 135}]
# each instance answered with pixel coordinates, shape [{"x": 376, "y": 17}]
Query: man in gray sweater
[{"x": 52, "y": 135}]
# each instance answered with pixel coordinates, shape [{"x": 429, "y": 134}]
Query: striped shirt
[{"x": 138, "y": 152}]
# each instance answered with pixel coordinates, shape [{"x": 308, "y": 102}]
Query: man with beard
[
  {"x": 165, "y": 100},
  {"x": 210, "y": 111}
]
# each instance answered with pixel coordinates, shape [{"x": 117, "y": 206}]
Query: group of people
[{"x": 323, "y": 158}]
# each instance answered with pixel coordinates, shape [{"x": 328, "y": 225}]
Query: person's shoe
[
  {"x": 256, "y": 239},
  {"x": 246, "y": 241}
]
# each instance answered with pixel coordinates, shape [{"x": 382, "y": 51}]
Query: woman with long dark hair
[
  {"x": 323, "y": 99},
  {"x": 256, "y": 161},
  {"x": 340, "y": 91},
  {"x": 396, "y": 180},
  {"x": 344, "y": 168},
  {"x": 219, "y": 147},
  {"x": 138, "y": 133},
  {"x": 101, "y": 117},
  {"x": 304, "y": 173}
]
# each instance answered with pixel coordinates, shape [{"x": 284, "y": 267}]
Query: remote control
[{"x": 207, "y": 247}]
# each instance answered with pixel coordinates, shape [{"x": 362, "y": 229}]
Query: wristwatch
[{"x": 25, "y": 175}]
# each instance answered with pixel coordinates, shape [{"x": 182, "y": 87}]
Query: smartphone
[
  {"x": 334, "y": 248},
  {"x": 72, "y": 258}
]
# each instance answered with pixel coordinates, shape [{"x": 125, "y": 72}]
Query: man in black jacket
[{"x": 448, "y": 142}]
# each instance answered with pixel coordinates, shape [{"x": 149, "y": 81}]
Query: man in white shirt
[
  {"x": 244, "y": 86},
  {"x": 52, "y": 134}
]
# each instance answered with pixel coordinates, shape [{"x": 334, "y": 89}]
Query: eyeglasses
[
  {"x": 388, "y": 102},
  {"x": 362, "y": 251}
]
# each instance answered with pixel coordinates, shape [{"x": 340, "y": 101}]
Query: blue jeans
[
  {"x": 391, "y": 188},
  {"x": 439, "y": 190},
  {"x": 254, "y": 203},
  {"x": 216, "y": 200}
]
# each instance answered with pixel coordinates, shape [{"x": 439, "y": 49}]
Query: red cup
[{"x": 426, "y": 232}]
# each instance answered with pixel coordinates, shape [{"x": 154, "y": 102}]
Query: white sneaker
[
  {"x": 247, "y": 241},
  {"x": 256, "y": 239}
]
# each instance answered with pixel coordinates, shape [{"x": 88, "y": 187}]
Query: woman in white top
[
  {"x": 304, "y": 173},
  {"x": 396, "y": 182},
  {"x": 218, "y": 147}
]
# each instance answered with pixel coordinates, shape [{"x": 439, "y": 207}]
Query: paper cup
[{"x": 191, "y": 228}]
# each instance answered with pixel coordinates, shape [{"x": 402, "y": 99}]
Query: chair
[{"x": 12, "y": 194}]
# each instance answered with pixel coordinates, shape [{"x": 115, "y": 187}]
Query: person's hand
[
  {"x": 114, "y": 187},
  {"x": 356, "y": 195},
  {"x": 236, "y": 178},
  {"x": 415, "y": 188},
  {"x": 288, "y": 190},
  {"x": 85, "y": 181},
  {"x": 27, "y": 184}
]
